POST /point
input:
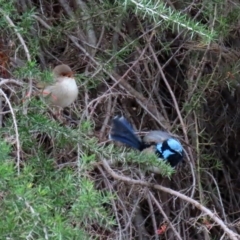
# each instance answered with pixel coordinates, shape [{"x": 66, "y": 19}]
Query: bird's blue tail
[{"x": 123, "y": 132}]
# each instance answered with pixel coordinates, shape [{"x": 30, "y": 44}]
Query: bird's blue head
[{"x": 170, "y": 150}]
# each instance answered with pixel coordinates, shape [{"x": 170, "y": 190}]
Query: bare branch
[
  {"x": 16, "y": 129},
  {"x": 232, "y": 235},
  {"x": 8, "y": 19}
]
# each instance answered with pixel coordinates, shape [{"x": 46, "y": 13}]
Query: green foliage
[
  {"x": 36, "y": 203},
  {"x": 210, "y": 161},
  {"x": 145, "y": 160},
  {"x": 44, "y": 200},
  {"x": 26, "y": 22},
  {"x": 5, "y": 149},
  {"x": 89, "y": 82},
  {"x": 149, "y": 160},
  {"x": 7, "y": 7},
  {"x": 224, "y": 21},
  {"x": 89, "y": 206},
  {"x": 158, "y": 12},
  {"x": 29, "y": 70}
]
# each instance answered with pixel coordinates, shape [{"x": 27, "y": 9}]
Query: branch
[
  {"x": 160, "y": 11},
  {"x": 232, "y": 235},
  {"x": 89, "y": 26},
  {"x": 17, "y": 33},
  {"x": 16, "y": 129},
  {"x": 145, "y": 103},
  {"x": 6, "y": 81}
]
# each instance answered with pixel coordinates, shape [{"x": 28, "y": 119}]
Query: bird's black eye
[{"x": 158, "y": 153}]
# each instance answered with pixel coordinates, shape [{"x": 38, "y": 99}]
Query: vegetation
[{"x": 171, "y": 65}]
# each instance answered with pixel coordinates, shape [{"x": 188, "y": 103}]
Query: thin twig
[
  {"x": 164, "y": 215},
  {"x": 16, "y": 129},
  {"x": 150, "y": 204},
  {"x": 6, "y": 81},
  {"x": 219, "y": 196},
  {"x": 109, "y": 112},
  {"x": 1, "y": 112},
  {"x": 139, "y": 219},
  {"x": 115, "y": 210},
  {"x": 66, "y": 7}
]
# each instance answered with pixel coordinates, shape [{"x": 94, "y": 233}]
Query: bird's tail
[{"x": 123, "y": 132}]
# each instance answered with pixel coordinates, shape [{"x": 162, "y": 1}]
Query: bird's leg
[{"x": 50, "y": 94}]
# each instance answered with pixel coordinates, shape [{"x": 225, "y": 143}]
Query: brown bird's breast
[{"x": 63, "y": 93}]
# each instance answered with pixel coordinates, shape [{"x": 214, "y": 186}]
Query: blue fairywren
[{"x": 165, "y": 146}]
